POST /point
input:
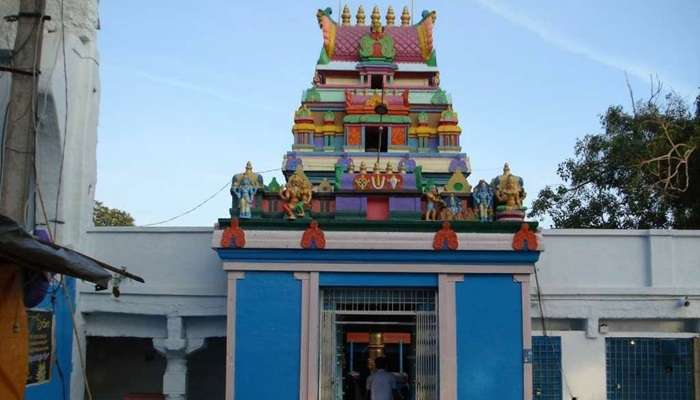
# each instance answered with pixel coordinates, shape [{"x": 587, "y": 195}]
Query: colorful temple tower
[{"x": 377, "y": 245}]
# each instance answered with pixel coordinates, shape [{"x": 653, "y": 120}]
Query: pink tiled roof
[{"x": 347, "y": 42}]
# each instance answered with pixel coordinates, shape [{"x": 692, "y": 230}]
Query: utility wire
[
  {"x": 205, "y": 201},
  {"x": 546, "y": 334},
  {"x": 65, "y": 121},
  {"x": 69, "y": 302}
]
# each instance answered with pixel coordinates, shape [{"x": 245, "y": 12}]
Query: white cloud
[
  {"x": 643, "y": 72},
  {"x": 190, "y": 86}
]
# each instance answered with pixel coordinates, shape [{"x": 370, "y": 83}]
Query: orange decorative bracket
[
  {"x": 525, "y": 239},
  {"x": 233, "y": 236},
  {"x": 445, "y": 238},
  {"x": 313, "y": 237}
]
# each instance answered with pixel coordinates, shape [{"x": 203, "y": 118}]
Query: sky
[{"x": 193, "y": 90}]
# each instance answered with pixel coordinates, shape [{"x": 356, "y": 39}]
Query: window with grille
[
  {"x": 378, "y": 300},
  {"x": 546, "y": 368},
  {"x": 649, "y": 368}
]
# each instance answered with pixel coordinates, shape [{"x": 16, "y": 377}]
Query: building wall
[
  {"x": 597, "y": 284},
  {"x": 78, "y": 86},
  {"x": 587, "y": 278}
]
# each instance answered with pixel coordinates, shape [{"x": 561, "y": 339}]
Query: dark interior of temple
[
  {"x": 393, "y": 338},
  {"x": 374, "y": 141}
]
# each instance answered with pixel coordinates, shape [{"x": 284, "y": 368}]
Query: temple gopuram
[{"x": 379, "y": 243}]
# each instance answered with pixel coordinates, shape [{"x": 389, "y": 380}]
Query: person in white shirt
[{"x": 381, "y": 384}]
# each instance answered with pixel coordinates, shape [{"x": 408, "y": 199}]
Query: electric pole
[{"x": 20, "y": 133}]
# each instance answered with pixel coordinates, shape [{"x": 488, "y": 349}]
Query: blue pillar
[{"x": 268, "y": 335}]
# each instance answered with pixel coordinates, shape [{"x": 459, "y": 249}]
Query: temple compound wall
[{"x": 599, "y": 289}]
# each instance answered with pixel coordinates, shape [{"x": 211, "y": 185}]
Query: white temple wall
[{"x": 630, "y": 281}]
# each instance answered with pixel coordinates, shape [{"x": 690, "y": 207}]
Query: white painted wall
[
  {"x": 77, "y": 133},
  {"x": 83, "y": 95},
  {"x": 630, "y": 280}
]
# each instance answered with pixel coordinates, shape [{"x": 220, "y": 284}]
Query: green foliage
[
  {"x": 105, "y": 216},
  {"x": 642, "y": 172}
]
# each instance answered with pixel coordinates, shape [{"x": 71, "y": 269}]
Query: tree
[
  {"x": 642, "y": 172},
  {"x": 105, "y": 216}
]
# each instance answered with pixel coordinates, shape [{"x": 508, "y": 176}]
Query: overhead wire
[
  {"x": 37, "y": 162},
  {"x": 65, "y": 119},
  {"x": 71, "y": 309},
  {"x": 546, "y": 333},
  {"x": 205, "y": 201}
]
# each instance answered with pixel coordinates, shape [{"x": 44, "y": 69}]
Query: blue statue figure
[
  {"x": 453, "y": 204},
  {"x": 483, "y": 201},
  {"x": 243, "y": 188}
]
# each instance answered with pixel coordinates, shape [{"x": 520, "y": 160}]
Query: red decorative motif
[
  {"x": 398, "y": 135},
  {"x": 445, "y": 238},
  {"x": 362, "y": 102},
  {"x": 313, "y": 237},
  {"x": 233, "y": 236},
  {"x": 525, "y": 239},
  {"x": 354, "y": 136},
  {"x": 377, "y": 181}
]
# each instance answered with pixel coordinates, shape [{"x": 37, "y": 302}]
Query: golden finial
[
  {"x": 360, "y": 16},
  {"x": 376, "y": 20},
  {"x": 390, "y": 16},
  {"x": 405, "y": 17},
  {"x": 346, "y": 16}
]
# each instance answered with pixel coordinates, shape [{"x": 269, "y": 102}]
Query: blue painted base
[
  {"x": 380, "y": 256},
  {"x": 58, "y": 387}
]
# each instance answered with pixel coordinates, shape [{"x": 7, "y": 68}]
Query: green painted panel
[
  {"x": 360, "y": 224},
  {"x": 338, "y": 96}
]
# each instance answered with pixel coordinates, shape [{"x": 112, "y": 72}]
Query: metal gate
[
  {"x": 421, "y": 303},
  {"x": 329, "y": 382},
  {"x": 426, "y": 356}
]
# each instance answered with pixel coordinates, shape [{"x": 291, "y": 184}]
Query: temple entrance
[
  {"x": 360, "y": 324},
  {"x": 376, "y": 139}
]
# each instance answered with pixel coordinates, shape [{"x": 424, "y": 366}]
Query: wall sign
[{"x": 41, "y": 344}]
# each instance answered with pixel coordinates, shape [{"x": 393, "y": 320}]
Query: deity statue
[
  {"x": 483, "y": 200},
  {"x": 453, "y": 204},
  {"x": 434, "y": 204},
  {"x": 296, "y": 194},
  {"x": 509, "y": 190},
  {"x": 243, "y": 189}
]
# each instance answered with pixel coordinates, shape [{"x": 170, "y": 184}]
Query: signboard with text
[{"x": 41, "y": 344}]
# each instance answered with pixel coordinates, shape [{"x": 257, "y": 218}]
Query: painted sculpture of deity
[
  {"x": 434, "y": 204},
  {"x": 296, "y": 194},
  {"x": 452, "y": 209},
  {"x": 483, "y": 200},
  {"x": 454, "y": 205},
  {"x": 243, "y": 189},
  {"x": 509, "y": 190}
]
